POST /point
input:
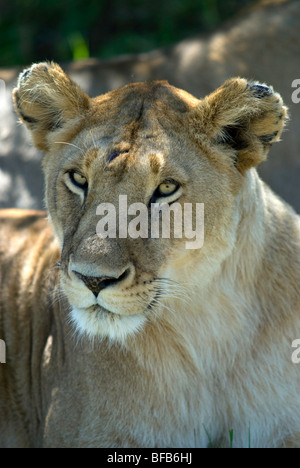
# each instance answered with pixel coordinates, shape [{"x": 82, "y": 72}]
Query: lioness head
[{"x": 152, "y": 143}]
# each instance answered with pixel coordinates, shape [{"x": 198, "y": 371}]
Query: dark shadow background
[{"x": 36, "y": 30}]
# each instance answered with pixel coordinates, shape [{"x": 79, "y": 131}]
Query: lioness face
[{"x": 146, "y": 143}]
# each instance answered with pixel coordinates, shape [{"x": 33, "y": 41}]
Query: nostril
[
  {"x": 97, "y": 283},
  {"x": 124, "y": 275}
]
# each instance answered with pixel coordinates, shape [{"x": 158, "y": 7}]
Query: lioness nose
[{"x": 97, "y": 283}]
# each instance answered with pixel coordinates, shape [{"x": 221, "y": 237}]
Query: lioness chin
[{"x": 114, "y": 341}]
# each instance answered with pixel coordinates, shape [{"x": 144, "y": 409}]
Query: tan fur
[{"x": 213, "y": 352}]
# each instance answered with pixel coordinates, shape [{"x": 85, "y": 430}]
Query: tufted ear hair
[
  {"x": 47, "y": 101},
  {"x": 246, "y": 117}
]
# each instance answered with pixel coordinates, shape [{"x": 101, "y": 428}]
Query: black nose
[{"x": 97, "y": 283}]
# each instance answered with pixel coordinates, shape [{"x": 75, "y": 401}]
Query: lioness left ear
[
  {"x": 47, "y": 100},
  {"x": 244, "y": 116}
]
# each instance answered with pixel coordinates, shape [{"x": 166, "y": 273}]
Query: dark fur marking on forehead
[{"x": 114, "y": 155}]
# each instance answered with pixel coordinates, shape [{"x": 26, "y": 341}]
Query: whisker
[
  {"x": 172, "y": 283},
  {"x": 182, "y": 284},
  {"x": 56, "y": 295},
  {"x": 179, "y": 298},
  {"x": 92, "y": 136},
  {"x": 164, "y": 306},
  {"x": 172, "y": 290},
  {"x": 183, "y": 289},
  {"x": 70, "y": 144}
]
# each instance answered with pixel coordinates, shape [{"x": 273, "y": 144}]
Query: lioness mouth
[{"x": 102, "y": 310}]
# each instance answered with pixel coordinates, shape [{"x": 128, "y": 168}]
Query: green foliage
[
  {"x": 231, "y": 438},
  {"x": 212, "y": 445},
  {"x": 32, "y": 30}
]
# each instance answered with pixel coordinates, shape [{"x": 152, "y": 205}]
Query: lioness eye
[
  {"x": 78, "y": 180},
  {"x": 167, "y": 188},
  {"x": 170, "y": 190}
]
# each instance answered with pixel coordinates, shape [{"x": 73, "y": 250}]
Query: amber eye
[
  {"x": 79, "y": 180},
  {"x": 167, "y": 188}
]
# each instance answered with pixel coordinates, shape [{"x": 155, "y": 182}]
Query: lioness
[{"x": 122, "y": 342}]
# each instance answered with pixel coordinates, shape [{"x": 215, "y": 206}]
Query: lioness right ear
[
  {"x": 244, "y": 117},
  {"x": 47, "y": 100}
]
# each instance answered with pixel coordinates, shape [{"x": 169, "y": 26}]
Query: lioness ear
[
  {"x": 46, "y": 100},
  {"x": 247, "y": 117}
]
